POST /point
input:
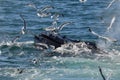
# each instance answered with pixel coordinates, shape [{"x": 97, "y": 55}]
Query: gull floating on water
[
  {"x": 112, "y": 21},
  {"x": 102, "y": 37}
]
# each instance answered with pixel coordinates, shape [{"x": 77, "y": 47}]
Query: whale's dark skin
[{"x": 56, "y": 40}]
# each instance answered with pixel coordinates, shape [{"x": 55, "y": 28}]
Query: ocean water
[{"x": 22, "y": 61}]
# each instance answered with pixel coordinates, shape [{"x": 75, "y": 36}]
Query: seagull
[
  {"x": 45, "y": 8},
  {"x": 55, "y": 16},
  {"x": 63, "y": 25},
  {"x": 112, "y": 21},
  {"x": 50, "y": 28},
  {"x": 54, "y": 24},
  {"x": 57, "y": 29},
  {"x": 19, "y": 71},
  {"x": 23, "y": 30},
  {"x": 35, "y": 61},
  {"x": 82, "y": 1},
  {"x": 100, "y": 70},
  {"x": 15, "y": 39},
  {"x": 32, "y": 5},
  {"x": 102, "y": 37},
  {"x": 110, "y": 4},
  {"x": 43, "y": 12}
]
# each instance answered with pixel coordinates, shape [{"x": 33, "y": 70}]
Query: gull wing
[
  {"x": 112, "y": 21},
  {"x": 46, "y": 8},
  {"x": 102, "y": 37},
  {"x": 63, "y": 25},
  {"x": 24, "y": 22}
]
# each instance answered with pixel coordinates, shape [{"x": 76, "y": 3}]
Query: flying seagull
[
  {"x": 110, "y": 4},
  {"x": 100, "y": 70},
  {"x": 43, "y": 12},
  {"x": 102, "y": 37},
  {"x": 63, "y": 25},
  {"x": 23, "y": 30},
  {"x": 32, "y": 5},
  {"x": 15, "y": 39},
  {"x": 82, "y": 1},
  {"x": 57, "y": 29},
  {"x": 112, "y": 21}
]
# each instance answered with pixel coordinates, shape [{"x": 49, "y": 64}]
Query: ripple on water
[{"x": 21, "y": 61}]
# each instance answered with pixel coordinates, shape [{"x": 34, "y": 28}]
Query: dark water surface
[{"x": 17, "y": 61}]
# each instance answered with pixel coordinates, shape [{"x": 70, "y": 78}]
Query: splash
[
  {"x": 13, "y": 48},
  {"x": 73, "y": 49},
  {"x": 9, "y": 43}
]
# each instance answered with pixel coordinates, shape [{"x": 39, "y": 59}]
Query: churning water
[{"x": 22, "y": 61}]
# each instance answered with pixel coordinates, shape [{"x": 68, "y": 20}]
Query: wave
[
  {"x": 16, "y": 43},
  {"x": 80, "y": 50},
  {"x": 67, "y": 50}
]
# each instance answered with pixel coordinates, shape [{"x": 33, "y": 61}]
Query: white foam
[{"x": 73, "y": 48}]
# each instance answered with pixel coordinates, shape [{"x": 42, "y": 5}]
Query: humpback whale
[{"x": 47, "y": 38}]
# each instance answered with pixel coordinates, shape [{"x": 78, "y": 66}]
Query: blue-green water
[{"x": 21, "y": 55}]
